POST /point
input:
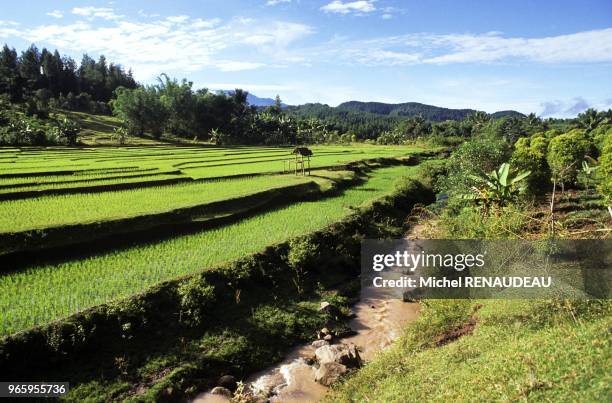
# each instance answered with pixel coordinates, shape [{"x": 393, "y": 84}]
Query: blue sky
[{"x": 549, "y": 57}]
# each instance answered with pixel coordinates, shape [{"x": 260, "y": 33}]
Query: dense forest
[{"x": 39, "y": 76}]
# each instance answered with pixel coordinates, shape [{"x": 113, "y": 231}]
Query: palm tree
[
  {"x": 478, "y": 119},
  {"x": 589, "y": 119}
]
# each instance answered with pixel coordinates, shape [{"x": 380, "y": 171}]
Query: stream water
[{"x": 378, "y": 322}]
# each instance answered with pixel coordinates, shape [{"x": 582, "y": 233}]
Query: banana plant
[
  {"x": 588, "y": 171},
  {"x": 498, "y": 187}
]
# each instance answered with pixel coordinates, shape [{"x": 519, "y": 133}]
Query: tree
[
  {"x": 605, "y": 172},
  {"x": 29, "y": 68},
  {"x": 478, "y": 119},
  {"x": 565, "y": 153},
  {"x": 475, "y": 157},
  {"x": 141, "y": 109},
  {"x": 9, "y": 74},
  {"x": 588, "y": 120},
  {"x": 530, "y": 155},
  {"x": 180, "y": 102}
]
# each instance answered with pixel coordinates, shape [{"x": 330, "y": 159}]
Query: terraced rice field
[
  {"x": 48, "y": 290},
  {"x": 52, "y": 211}
]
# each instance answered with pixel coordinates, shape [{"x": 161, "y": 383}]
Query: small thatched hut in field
[{"x": 302, "y": 158}]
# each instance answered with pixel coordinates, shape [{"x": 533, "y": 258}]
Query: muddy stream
[{"x": 377, "y": 322}]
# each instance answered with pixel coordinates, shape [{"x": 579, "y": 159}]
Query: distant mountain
[
  {"x": 408, "y": 109},
  {"x": 255, "y": 100}
]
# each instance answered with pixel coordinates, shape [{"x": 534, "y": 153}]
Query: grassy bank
[{"x": 503, "y": 351}]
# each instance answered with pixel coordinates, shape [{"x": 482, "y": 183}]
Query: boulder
[
  {"x": 345, "y": 332},
  {"x": 329, "y": 372},
  {"x": 329, "y": 309},
  {"x": 345, "y": 354},
  {"x": 228, "y": 382},
  {"x": 320, "y": 343},
  {"x": 221, "y": 391}
]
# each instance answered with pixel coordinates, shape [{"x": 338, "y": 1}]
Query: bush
[
  {"x": 477, "y": 156},
  {"x": 530, "y": 155},
  {"x": 196, "y": 297},
  {"x": 599, "y": 135},
  {"x": 66, "y": 130},
  {"x": 301, "y": 259},
  {"x": 390, "y": 138},
  {"x": 470, "y": 223},
  {"x": 605, "y": 170},
  {"x": 565, "y": 155}
]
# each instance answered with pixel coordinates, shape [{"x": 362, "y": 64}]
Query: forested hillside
[
  {"x": 38, "y": 89},
  {"x": 429, "y": 112}
]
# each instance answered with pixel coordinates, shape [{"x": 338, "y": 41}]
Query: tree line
[
  {"x": 41, "y": 77},
  {"x": 35, "y": 82}
]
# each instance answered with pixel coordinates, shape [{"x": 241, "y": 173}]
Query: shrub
[
  {"x": 390, "y": 138},
  {"x": 565, "y": 154},
  {"x": 196, "y": 297},
  {"x": 301, "y": 258},
  {"x": 605, "y": 170},
  {"x": 474, "y": 157},
  {"x": 599, "y": 135},
  {"x": 66, "y": 130},
  {"x": 530, "y": 155},
  {"x": 470, "y": 223}
]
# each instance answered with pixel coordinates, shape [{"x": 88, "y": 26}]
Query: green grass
[
  {"x": 53, "y": 211},
  {"x": 98, "y": 129},
  {"x": 79, "y": 185},
  {"x": 39, "y": 294},
  {"x": 520, "y": 350},
  {"x": 196, "y": 161}
]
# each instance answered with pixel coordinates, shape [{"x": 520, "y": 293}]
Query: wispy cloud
[
  {"x": 175, "y": 43},
  {"x": 105, "y": 13},
  {"x": 351, "y": 7},
  {"x": 571, "y": 107},
  {"x": 250, "y": 86},
  {"x": 581, "y": 47},
  {"x": 275, "y": 2},
  {"x": 55, "y": 14}
]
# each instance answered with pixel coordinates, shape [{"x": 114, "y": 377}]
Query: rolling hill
[{"x": 408, "y": 109}]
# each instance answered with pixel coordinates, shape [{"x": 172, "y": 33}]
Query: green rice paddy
[{"x": 43, "y": 292}]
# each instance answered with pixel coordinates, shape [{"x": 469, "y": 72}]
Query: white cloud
[
  {"x": 232, "y": 65},
  {"x": 355, "y": 7},
  {"x": 55, "y": 14},
  {"x": 588, "y": 46},
  {"x": 275, "y": 2},
  {"x": 177, "y": 19},
  {"x": 144, "y": 14},
  {"x": 279, "y": 34},
  {"x": 178, "y": 44},
  {"x": 250, "y": 87},
  {"x": 8, "y": 29},
  {"x": 569, "y": 108},
  {"x": 105, "y": 13},
  {"x": 581, "y": 47},
  {"x": 386, "y": 16}
]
